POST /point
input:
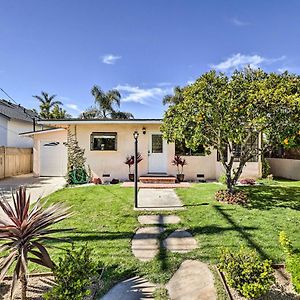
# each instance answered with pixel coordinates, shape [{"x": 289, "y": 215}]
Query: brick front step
[{"x": 158, "y": 179}]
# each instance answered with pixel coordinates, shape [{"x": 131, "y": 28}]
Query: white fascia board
[{"x": 76, "y": 122}]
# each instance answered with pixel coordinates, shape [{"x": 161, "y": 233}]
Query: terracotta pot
[
  {"x": 180, "y": 177},
  {"x": 131, "y": 177},
  {"x": 97, "y": 181}
]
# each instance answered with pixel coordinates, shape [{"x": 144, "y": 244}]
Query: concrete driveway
[{"x": 36, "y": 186}]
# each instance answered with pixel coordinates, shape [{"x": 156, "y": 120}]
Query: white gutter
[
  {"x": 41, "y": 131},
  {"x": 72, "y": 122}
]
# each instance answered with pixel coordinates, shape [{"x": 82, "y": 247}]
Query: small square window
[{"x": 104, "y": 141}]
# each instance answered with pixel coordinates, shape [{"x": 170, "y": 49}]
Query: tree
[
  {"x": 176, "y": 98},
  {"x": 91, "y": 113},
  {"x": 121, "y": 115},
  {"x": 106, "y": 101},
  {"x": 229, "y": 114},
  {"x": 47, "y": 103},
  {"x": 105, "y": 106},
  {"x": 59, "y": 113}
]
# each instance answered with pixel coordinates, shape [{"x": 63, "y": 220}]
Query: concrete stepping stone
[
  {"x": 145, "y": 243},
  {"x": 180, "y": 241},
  {"x": 136, "y": 288},
  {"x": 158, "y": 219},
  {"x": 158, "y": 199},
  {"x": 192, "y": 281}
]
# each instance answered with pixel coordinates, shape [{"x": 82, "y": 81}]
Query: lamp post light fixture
[{"x": 135, "y": 136}]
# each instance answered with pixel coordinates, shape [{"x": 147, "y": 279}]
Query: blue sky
[{"x": 143, "y": 48}]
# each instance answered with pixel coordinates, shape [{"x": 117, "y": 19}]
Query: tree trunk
[
  {"x": 229, "y": 183},
  {"x": 23, "y": 285}
]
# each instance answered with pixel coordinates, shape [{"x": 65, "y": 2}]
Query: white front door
[{"x": 157, "y": 154}]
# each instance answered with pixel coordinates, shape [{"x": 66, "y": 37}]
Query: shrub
[
  {"x": 238, "y": 197},
  {"x": 245, "y": 272},
  {"x": 23, "y": 234},
  {"x": 266, "y": 168},
  {"x": 292, "y": 260},
  {"x": 222, "y": 179},
  {"x": 247, "y": 181},
  {"x": 285, "y": 243},
  {"x": 179, "y": 161},
  {"x": 129, "y": 161},
  {"x": 74, "y": 275}
]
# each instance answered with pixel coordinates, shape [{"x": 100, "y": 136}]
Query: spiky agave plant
[{"x": 22, "y": 233}]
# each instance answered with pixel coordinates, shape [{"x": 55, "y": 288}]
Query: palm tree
[
  {"x": 122, "y": 115},
  {"x": 47, "y": 102},
  {"x": 176, "y": 98},
  {"x": 106, "y": 101}
]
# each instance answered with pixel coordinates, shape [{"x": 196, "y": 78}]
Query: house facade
[
  {"x": 15, "y": 119},
  {"x": 108, "y": 142}
]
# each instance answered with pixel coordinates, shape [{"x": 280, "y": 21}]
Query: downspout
[{"x": 33, "y": 124}]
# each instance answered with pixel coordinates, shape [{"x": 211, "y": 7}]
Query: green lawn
[{"x": 104, "y": 218}]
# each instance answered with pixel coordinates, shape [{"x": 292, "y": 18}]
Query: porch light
[
  {"x": 135, "y": 135},
  {"x": 144, "y": 130}
]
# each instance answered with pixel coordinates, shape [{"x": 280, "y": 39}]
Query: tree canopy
[
  {"x": 106, "y": 106},
  {"x": 226, "y": 113},
  {"x": 50, "y": 108}
]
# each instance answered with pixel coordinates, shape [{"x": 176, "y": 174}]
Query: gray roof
[{"x": 15, "y": 111}]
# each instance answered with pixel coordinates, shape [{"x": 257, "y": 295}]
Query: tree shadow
[{"x": 268, "y": 197}]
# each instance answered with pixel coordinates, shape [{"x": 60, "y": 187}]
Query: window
[
  {"x": 157, "y": 143},
  {"x": 181, "y": 149},
  {"x": 104, "y": 141},
  {"x": 252, "y": 144},
  {"x": 225, "y": 155}
]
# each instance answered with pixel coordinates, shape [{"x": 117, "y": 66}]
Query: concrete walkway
[
  {"x": 36, "y": 186},
  {"x": 158, "y": 199},
  {"x": 158, "y": 219},
  {"x": 135, "y": 288},
  {"x": 192, "y": 281},
  {"x": 180, "y": 241},
  {"x": 145, "y": 243}
]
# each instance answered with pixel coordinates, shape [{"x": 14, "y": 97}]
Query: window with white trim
[{"x": 104, "y": 141}]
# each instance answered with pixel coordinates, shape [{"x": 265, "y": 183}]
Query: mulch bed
[{"x": 37, "y": 286}]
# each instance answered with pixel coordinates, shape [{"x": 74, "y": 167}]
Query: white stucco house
[
  {"x": 15, "y": 119},
  {"x": 107, "y": 142}
]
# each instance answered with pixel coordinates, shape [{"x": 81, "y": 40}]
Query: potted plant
[
  {"x": 130, "y": 162},
  {"x": 179, "y": 162}
]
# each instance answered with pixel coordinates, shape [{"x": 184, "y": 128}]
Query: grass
[{"x": 106, "y": 221}]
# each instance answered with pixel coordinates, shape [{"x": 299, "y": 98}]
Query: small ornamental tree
[
  {"x": 76, "y": 161},
  {"x": 227, "y": 114}
]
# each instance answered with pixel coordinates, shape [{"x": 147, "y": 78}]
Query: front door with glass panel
[{"x": 157, "y": 154}]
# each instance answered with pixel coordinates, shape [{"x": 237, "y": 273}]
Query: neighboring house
[
  {"x": 15, "y": 119},
  {"x": 108, "y": 142}
]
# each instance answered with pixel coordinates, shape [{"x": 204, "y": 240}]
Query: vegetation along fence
[{"x": 15, "y": 161}]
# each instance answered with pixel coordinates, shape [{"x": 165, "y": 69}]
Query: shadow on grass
[
  {"x": 243, "y": 231},
  {"x": 268, "y": 197}
]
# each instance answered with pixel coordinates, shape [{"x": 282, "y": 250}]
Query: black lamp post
[{"x": 136, "y": 136}]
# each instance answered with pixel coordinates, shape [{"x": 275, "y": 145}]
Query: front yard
[{"x": 105, "y": 220}]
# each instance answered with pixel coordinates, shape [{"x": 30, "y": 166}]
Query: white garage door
[{"x": 53, "y": 158}]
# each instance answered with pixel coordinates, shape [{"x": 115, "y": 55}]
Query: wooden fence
[{"x": 15, "y": 161}]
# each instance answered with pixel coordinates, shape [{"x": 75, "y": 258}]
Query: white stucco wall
[
  {"x": 3, "y": 131},
  {"x": 112, "y": 162},
  {"x": 285, "y": 168},
  {"x": 13, "y": 129}
]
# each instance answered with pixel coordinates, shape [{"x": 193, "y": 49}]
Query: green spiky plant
[{"x": 22, "y": 234}]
